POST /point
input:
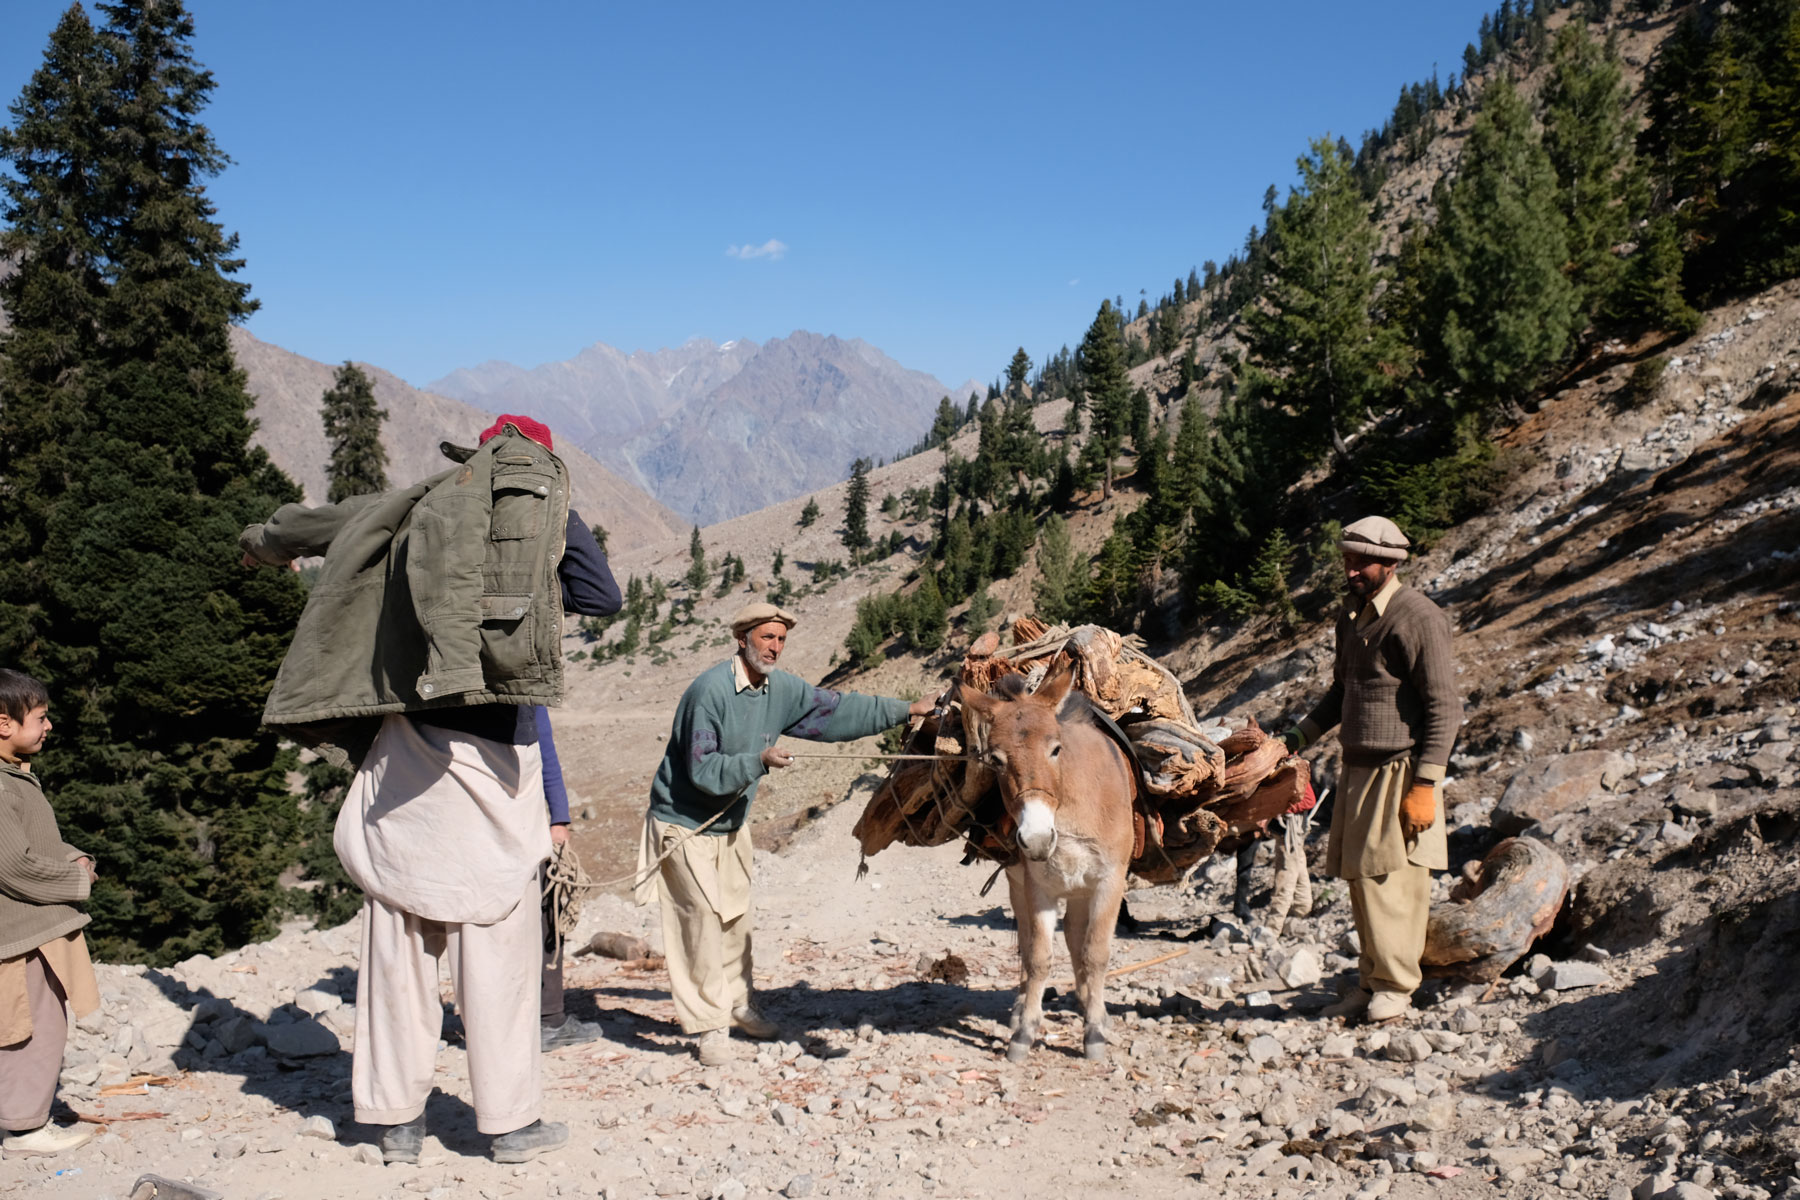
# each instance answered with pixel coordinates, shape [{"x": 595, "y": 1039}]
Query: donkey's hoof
[
  {"x": 1018, "y": 1050},
  {"x": 1093, "y": 1046}
]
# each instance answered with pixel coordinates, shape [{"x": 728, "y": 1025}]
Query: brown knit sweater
[
  {"x": 40, "y": 881},
  {"x": 1394, "y": 687}
]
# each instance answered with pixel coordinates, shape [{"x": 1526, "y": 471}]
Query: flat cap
[
  {"x": 1376, "y": 537},
  {"x": 760, "y": 613}
]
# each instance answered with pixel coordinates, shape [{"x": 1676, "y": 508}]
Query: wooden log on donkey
[{"x": 1068, "y": 789}]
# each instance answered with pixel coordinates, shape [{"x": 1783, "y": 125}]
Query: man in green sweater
[
  {"x": 721, "y": 746},
  {"x": 1394, "y": 691}
]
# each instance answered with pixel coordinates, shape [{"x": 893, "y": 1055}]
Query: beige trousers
[
  {"x": 496, "y": 970},
  {"x": 29, "y": 1069},
  {"x": 704, "y": 887},
  {"x": 1391, "y": 913},
  {"x": 1293, "y": 881}
]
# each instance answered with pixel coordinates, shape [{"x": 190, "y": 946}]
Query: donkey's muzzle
[{"x": 1036, "y": 837}]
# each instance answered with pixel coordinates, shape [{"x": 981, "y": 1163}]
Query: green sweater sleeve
[{"x": 828, "y": 716}]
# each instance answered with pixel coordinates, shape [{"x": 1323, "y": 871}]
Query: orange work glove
[{"x": 1418, "y": 809}]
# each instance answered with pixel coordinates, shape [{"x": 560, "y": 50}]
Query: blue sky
[{"x": 427, "y": 186}]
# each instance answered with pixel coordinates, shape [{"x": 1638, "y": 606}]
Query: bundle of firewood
[{"x": 1200, "y": 783}]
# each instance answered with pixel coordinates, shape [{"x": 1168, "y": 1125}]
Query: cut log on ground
[
  {"x": 1196, "y": 787},
  {"x": 1501, "y": 906},
  {"x": 616, "y": 945}
]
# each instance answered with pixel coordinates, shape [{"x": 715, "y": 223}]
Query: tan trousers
[
  {"x": 704, "y": 887},
  {"x": 1293, "y": 881},
  {"x": 29, "y": 1069},
  {"x": 1391, "y": 913},
  {"x": 495, "y": 970}
]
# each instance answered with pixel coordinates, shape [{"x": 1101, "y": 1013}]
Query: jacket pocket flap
[
  {"x": 505, "y": 607},
  {"x": 538, "y": 483}
]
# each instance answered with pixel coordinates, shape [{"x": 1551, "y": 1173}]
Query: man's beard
[{"x": 752, "y": 658}]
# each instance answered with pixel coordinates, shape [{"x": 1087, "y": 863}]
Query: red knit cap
[{"x": 537, "y": 431}]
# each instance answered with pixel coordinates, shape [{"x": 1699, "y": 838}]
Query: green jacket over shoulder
[
  {"x": 40, "y": 881},
  {"x": 439, "y": 595},
  {"x": 713, "y": 761}
]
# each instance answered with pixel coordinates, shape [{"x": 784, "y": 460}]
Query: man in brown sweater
[
  {"x": 1394, "y": 691},
  {"x": 43, "y": 957}
]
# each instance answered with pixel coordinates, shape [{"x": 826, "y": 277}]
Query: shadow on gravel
[{"x": 297, "y": 1062}]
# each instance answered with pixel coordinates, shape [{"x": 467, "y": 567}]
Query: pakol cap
[
  {"x": 760, "y": 613},
  {"x": 1376, "y": 537},
  {"x": 537, "y": 431}
]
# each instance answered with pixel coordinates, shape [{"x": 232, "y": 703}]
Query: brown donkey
[{"x": 1068, "y": 789}]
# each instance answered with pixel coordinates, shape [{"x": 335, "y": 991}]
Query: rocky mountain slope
[
  {"x": 287, "y": 387},
  {"x": 714, "y": 431}
]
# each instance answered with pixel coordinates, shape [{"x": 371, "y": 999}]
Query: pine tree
[
  {"x": 1059, "y": 572},
  {"x": 810, "y": 513},
  {"x": 358, "y": 463},
  {"x": 1113, "y": 588},
  {"x": 945, "y": 424},
  {"x": 1317, "y": 349},
  {"x": 696, "y": 573},
  {"x": 1588, "y": 137},
  {"x": 1103, "y": 378},
  {"x": 1504, "y": 308},
  {"x": 125, "y": 446},
  {"x": 930, "y": 615},
  {"x": 1018, "y": 373},
  {"x": 856, "y": 508}
]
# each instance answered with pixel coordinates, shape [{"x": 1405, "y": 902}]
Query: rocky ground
[
  {"x": 1624, "y": 1059},
  {"x": 1627, "y": 633}
]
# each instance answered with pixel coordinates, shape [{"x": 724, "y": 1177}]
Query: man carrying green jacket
[{"x": 721, "y": 745}]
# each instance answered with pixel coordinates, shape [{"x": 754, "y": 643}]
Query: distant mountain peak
[{"x": 684, "y": 422}]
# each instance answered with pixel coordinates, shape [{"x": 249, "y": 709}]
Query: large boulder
[{"x": 1551, "y": 787}]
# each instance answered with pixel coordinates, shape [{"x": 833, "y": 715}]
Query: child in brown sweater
[{"x": 43, "y": 956}]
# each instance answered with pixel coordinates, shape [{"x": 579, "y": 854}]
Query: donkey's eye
[
  {"x": 996, "y": 758},
  {"x": 1055, "y": 749}
]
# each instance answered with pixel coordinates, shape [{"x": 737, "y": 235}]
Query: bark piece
[{"x": 1502, "y": 905}]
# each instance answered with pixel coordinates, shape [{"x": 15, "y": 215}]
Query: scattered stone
[
  {"x": 318, "y": 1127},
  {"x": 1465, "y": 1020},
  {"x": 316, "y": 1001},
  {"x": 367, "y": 1154},
  {"x": 786, "y": 1115},
  {"x": 1552, "y": 786},
  {"x": 1263, "y": 1049},
  {"x": 302, "y": 1039},
  {"x": 1509, "y": 1157},
  {"x": 231, "y": 1146},
  {"x": 1338, "y": 1045},
  {"x": 1303, "y": 968},
  {"x": 1408, "y": 1045},
  {"x": 798, "y": 1187},
  {"x": 1564, "y": 976},
  {"x": 1381, "y": 1092},
  {"x": 235, "y": 1034},
  {"x": 1433, "y": 1114}
]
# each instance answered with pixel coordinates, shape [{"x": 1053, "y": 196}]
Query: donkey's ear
[{"x": 1055, "y": 687}]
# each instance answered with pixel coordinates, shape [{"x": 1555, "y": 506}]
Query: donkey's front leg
[
  {"x": 1035, "y": 914},
  {"x": 1092, "y": 957}
]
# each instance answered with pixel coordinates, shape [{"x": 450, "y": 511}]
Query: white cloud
[
  {"x": 771, "y": 249},
  {"x": 1073, "y": 282}
]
